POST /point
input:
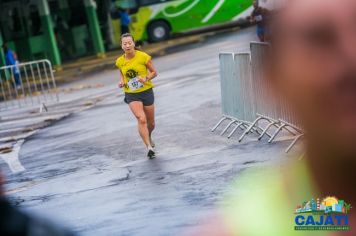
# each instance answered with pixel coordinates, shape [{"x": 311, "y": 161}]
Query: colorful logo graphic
[
  {"x": 327, "y": 214},
  {"x": 131, "y": 73}
]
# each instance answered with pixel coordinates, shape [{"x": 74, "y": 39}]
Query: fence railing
[
  {"x": 27, "y": 84},
  {"x": 248, "y": 102}
]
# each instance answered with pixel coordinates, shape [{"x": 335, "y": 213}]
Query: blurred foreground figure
[
  {"x": 313, "y": 66},
  {"x": 16, "y": 223}
]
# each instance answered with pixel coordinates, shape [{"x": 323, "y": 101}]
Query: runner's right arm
[{"x": 122, "y": 82}]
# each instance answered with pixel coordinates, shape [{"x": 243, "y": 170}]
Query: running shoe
[
  {"x": 152, "y": 143},
  {"x": 151, "y": 153}
]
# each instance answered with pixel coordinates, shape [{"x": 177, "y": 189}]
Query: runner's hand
[
  {"x": 121, "y": 84},
  {"x": 142, "y": 80}
]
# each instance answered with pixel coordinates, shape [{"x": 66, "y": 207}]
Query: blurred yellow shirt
[
  {"x": 133, "y": 69},
  {"x": 262, "y": 202}
]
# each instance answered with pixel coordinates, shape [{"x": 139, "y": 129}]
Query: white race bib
[
  {"x": 134, "y": 84},
  {"x": 259, "y": 18}
]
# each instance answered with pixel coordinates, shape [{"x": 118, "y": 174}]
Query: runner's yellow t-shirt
[{"x": 133, "y": 69}]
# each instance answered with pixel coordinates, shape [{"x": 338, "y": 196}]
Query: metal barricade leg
[
  {"x": 266, "y": 129},
  {"x": 219, "y": 123},
  {"x": 234, "y": 130},
  {"x": 297, "y": 138},
  {"x": 227, "y": 127},
  {"x": 276, "y": 132},
  {"x": 290, "y": 131},
  {"x": 256, "y": 129},
  {"x": 250, "y": 128}
]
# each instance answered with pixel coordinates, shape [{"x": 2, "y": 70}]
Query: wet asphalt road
[{"x": 89, "y": 170}]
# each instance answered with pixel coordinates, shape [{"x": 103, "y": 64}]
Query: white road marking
[{"x": 12, "y": 158}]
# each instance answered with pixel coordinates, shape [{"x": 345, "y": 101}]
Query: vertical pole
[
  {"x": 63, "y": 4},
  {"x": 64, "y": 9},
  {"x": 6, "y": 74},
  {"x": 2, "y": 81},
  {"x": 94, "y": 28},
  {"x": 49, "y": 32},
  {"x": 2, "y": 55}
]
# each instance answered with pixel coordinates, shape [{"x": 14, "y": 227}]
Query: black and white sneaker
[{"x": 151, "y": 153}]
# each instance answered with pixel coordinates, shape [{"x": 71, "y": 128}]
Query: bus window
[
  {"x": 131, "y": 5},
  {"x": 127, "y": 4},
  {"x": 11, "y": 18}
]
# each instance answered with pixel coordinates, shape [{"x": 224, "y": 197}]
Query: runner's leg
[
  {"x": 262, "y": 38},
  {"x": 260, "y": 33},
  {"x": 150, "y": 116},
  {"x": 137, "y": 110}
]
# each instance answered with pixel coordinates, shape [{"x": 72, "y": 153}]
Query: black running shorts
[{"x": 146, "y": 97}]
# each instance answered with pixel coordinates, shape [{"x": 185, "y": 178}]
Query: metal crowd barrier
[
  {"x": 265, "y": 108},
  {"x": 27, "y": 84},
  {"x": 226, "y": 73},
  {"x": 233, "y": 94},
  {"x": 247, "y": 98}
]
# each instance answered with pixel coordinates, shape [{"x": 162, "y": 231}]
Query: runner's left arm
[
  {"x": 151, "y": 68},
  {"x": 152, "y": 72}
]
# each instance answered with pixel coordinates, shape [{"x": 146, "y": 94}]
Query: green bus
[{"x": 158, "y": 20}]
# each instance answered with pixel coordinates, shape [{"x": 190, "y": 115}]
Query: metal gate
[{"x": 27, "y": 84}]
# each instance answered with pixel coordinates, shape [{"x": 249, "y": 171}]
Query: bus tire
[{"x": 158, "y": 31}]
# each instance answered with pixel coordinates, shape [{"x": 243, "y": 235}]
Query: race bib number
[
  {"x": 134, "y": 84},
  {"x": 259, "y": 18}
]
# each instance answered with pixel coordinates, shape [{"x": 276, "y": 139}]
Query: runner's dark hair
[{"x": 126, "y": 35}]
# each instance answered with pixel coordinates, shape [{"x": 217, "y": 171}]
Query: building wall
[{"x": 26, "y": 29}]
